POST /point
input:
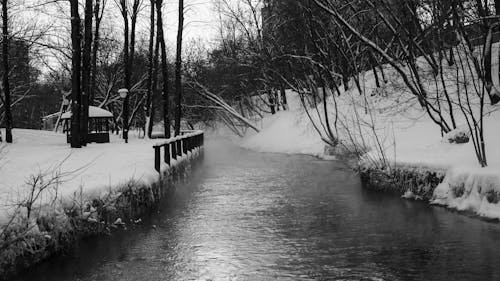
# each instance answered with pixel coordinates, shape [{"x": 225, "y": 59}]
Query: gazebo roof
[{"x": 94, "y": 112}]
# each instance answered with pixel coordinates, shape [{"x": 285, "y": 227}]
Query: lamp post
[{"x": 123, "y": 94}]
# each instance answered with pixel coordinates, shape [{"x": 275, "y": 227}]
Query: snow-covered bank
[
  {"x": 409, "y": 138},
  {"x": 54, "y": 208},
  {"x": 92, "y": 170}
]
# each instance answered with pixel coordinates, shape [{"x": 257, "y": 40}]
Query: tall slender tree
[
  {"x": 133, "y": 24},
  {"x": 98, "y": 14},
  {"x": 86, "y": 68},
  {"x": 164, "y": 69},
  {"x": 151, "y": 61},
  {"x": 6, "y": 70},
  {"x": 178, "y": 70},
  {"x": 126, "y": 67},
  {"x": 75, "y": 74}
]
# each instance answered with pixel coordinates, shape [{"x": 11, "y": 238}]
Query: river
[{"x": 252, "y": 216}]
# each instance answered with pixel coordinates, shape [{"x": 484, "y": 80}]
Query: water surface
[{"x": 250, "y": 216}]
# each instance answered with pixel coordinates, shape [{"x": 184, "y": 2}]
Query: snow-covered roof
[
  {"x": 94, "y": 112},
  {"x": 50, "y": 116}
]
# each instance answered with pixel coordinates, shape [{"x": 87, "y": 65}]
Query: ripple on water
[{"x": 251, "y": 216}]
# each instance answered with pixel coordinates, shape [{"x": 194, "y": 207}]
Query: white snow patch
[
  {"x": 470, "y": 190},
  {"x": 93, "y": 112},
  {"x": 93, "y": 171}
]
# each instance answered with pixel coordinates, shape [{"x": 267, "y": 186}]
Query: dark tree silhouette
[
  {"x": 178, "y": 70},
  {"x": 75, "y": 75},
  {"x": 6, "y": 70},
  {"x": 164, "y": 69}
]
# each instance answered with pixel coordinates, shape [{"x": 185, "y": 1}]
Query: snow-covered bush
[{"x": 459, "y": 135}]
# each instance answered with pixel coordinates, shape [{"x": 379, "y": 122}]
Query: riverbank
[
  {"x": 268, "y": 216},
  {"x": 59, "y": 211},
  {"x": 393, "y": 128}
]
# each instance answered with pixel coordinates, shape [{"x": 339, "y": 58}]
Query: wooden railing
[{"x": 177, "y": 146}]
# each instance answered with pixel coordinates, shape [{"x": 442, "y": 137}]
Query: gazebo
[{"x": 99, "y": 120}]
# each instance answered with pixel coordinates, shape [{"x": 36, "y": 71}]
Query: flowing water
[{"x": 250, "y": 216}]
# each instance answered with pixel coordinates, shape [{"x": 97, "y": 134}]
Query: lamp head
[{"x": 123, "y": 93}]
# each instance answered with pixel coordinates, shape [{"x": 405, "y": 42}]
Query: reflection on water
[{"x": 251, "y": 216}]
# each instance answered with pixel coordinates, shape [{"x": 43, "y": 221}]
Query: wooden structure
[
  {"x": 177, "y": 146},
  {"x": 99, "y": 120},
  {"x": 48, "y": 123}
]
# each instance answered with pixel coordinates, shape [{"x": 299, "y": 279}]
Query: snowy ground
[
  {"x": 91, "y": 170},
  {"x": 409, "y": 138}
]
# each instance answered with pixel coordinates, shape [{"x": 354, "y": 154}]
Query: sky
[{"x": 201, "y": 21}]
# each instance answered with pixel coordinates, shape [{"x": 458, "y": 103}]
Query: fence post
[
  {"x": 157, "y": 158},
  {"x": 179, "y": 147},
  {"x": 166, "y": 149},
  {"x": 174, "y": 151}
]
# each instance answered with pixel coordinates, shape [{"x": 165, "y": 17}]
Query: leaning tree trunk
[
  {"x": 164, "y": 70},
  {"x": 178, "y": 69},
  {"x": 6, "y": 70},
  {"x": 87, "y": 50},
  {"x": 75, "y": 75}
]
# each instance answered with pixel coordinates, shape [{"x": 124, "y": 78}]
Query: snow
[
  {"x": 472, "y": 190},
  {"x": 94, "y": 112},
  {"x": 92, "y": 170},
  {"x": 286, "y": 132},
  {"x": 408, "y": 138}
]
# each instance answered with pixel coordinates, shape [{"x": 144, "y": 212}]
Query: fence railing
[{"x": 176, "y": 147}]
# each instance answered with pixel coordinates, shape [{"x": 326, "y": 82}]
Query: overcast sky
[
  {"x": 201, "y": 21},
  {"x": 200, "y": 18}
]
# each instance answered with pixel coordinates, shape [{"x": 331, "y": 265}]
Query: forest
[{"x": 439, "y": 53}]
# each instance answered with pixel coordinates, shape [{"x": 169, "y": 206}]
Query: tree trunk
[
  {"x": 126, "y": 69},
  {"x": 148, "y": 105},
  {"x": 135, "y": 12},
  {"x": 373, "y": 63},
  {"x": 164, "y": 70},
  {"x": 75, "y": 75},
  {"x": 6, "y": 70},
  {"x": 131, "y": 59},
  {"x": 154, "y": 86},
  {"x": 283, "y": 96},
  {"x": 87, "y": 50},
  {"x": 95, "y": 48},
  {"x": 178, "y": 70},
  {"x": 271, "y": 101}
]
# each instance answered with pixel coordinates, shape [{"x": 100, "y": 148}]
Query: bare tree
[
  {"x": 86, "y": 72},
  {"x": 164, "y": 68},
  {"x": 148, "y": 107},
  {"x": 178, "y": 70},
  {"x": 6, "y": 70},
  {"x": 75, "y": 75},
  {"x": 98, "y": 14},
  {"x": 126, "y": 66}
]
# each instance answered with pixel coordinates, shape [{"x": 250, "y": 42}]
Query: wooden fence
[{"x": 177, "y": 146}]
